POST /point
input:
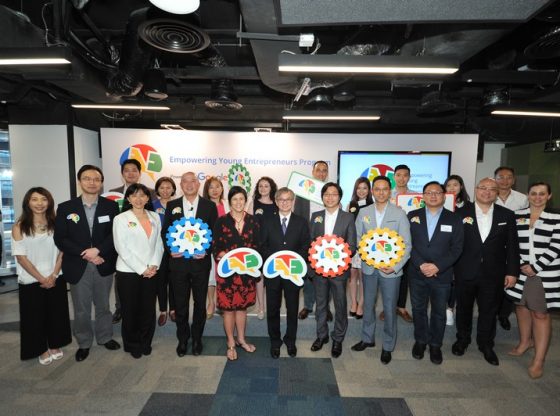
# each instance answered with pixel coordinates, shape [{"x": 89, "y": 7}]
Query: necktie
[{"x": 284, "y": 226}]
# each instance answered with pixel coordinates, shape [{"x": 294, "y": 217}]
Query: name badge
[
  {"x": 103, "y": 218},
  {"x": 446, "y": 228}
]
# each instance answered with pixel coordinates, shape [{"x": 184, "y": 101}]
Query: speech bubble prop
[
  {"x": 288, "y": 265},
  {"x": 243, "y": 260}
]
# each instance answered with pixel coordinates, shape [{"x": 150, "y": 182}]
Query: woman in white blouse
[
  {"x": 136, "y": 234},
  {"x": 43, "y": 302}
]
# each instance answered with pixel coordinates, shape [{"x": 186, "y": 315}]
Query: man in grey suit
[
  {"x": 332, "y": 220},
  {"x": 382, "y": 214}
]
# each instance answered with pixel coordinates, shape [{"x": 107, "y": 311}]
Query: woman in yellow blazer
[{"x": 136, "y": 234}]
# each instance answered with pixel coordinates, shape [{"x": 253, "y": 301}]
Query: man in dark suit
[
  {"x": 285, "y": 231},
  {"x": 332, "y": 220},
  {"x": 306, "y": 208},
  {"x": 189, "y": 275},
  {"x": 490, "y": 261},
  {"x": 84, "y": 234},
  {"x": 437, "y": 243}
]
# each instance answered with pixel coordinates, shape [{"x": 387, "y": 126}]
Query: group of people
[{"x": 483, "y": 252}]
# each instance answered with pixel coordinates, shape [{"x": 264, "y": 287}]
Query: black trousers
[
  {"x": 487, "y": 292},
  {"x": 274, "y": 288},
  {"x": 44, "y": 319},
  {"x": 138, "y": 304},
  {"x": 183, "y": 284},
  {"x": 403, "y": 290},
  {"x": 165, "y": 289}
]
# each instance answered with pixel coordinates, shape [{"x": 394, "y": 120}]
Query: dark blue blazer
[
  {"x": 494, "y": 258},
  {"x": 72, "y": 238},
  {"x": 443, "y": 249}
]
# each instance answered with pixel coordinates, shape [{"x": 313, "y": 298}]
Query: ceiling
[{"x": 219, "y": 65}]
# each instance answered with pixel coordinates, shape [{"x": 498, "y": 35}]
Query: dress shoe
[
  {"x": 117, "y": 316},
  {"x": 336, "y": 349},
  {"x": 435, "y": 355},
  {"x": 147, "y": 351},
  {"x": 46, "y": 361},
  {"x": 458, "y": 348},
  {"x": 329, "y": 315},
  {"x": 418, "y": 350},
  {"x": 382, "y": 316},
  {"x": 489, "y": 355},
  {"x": 56, "y": 355},
  {"x": 304, "y": 313},
  {"x": 112, "y": 345},
  {"x": 403, "y": 313},
  {"x": 360, "y": 346},
  {"x": 292, "y": 351},
  {"x": 385, "y": 357},
  {"x": 318, "y": 343},
  {"x": 172, "y": 316},
  {"x": 196, "y": 347},
  {"x": 275, "y": 352},
  {"x": 136, "y": 354},
  {"x": 181, "y": 349},
  {"x": 162, "y": 319},
  {"x": 82, "y": 354},
  {"x": 504, "y": 323}
]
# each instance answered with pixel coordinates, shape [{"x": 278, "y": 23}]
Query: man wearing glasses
[
  {"x": 511, "y": 199},
  {"x": 84, "y": 233},
  {"x": 437, "y": 242},
  {"x": 489, "y": 262},
  {"x": 285, "y": 231}
]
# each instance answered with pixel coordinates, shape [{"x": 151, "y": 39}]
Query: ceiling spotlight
[
  {"x": 319, "y": 99},
  {"x": 177, "y": 6},
  {"x": 222, "y": 96},
  {"x": 155, "y": 85},
  {"x": 495, "y": 96}
]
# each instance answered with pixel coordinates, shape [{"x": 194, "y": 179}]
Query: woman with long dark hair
[{"x": 43, "y": 301}]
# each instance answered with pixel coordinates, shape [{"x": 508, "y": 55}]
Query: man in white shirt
[{"x": 511, "y": 199}]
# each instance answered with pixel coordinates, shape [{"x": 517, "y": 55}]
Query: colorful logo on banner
[
  {"x": 288, "y": 265},
  {"x": 238, "y": 175},
  {"x": 189, "y": 236},
  {"x": 329, "y": 256},
  {"x": 242, "y": 260},
  {"x": 115, "y": 196},
  {"x": 416, "y": 202},
  {"x": 150, "y": 160},
  {"x": 380, "y": 170},
  {"x": 381, "y": 247},
  {"x": 307, "y": 185}
]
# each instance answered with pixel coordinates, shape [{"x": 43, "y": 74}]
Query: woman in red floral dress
[{"x": 237, "y": 292}]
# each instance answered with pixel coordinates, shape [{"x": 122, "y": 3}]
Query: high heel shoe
[
  {"x": 231, "y": 353},
  {"x": 56, "y": 355},
  {"x": 45, "y": 361},
  {"x": 517, "y": 353},
  {"x": 535, "y": 373}
]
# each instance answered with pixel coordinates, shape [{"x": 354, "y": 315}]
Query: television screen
[{"x": 424, "y": 167}]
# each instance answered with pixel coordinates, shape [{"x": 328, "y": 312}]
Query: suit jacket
[
  {"x": 73, "y": 237},
  {"x": 498, "y": 255},
  {"x": 302, "y": 207},
  {"x": 395, "y": 219},
  {"x": 443, "y": 249},
  {"x": 296, "y": 238},
  {"x": 343, "y": 227},
  {"x": 136, "y": 250},
  {"x": 206, "y": 212}
]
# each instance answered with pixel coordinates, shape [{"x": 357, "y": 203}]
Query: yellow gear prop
[{"x": 381, "y": 247}]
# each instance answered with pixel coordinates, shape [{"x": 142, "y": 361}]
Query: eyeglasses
[
  {"x": 88, "y": 179},
  {"x": 484, "y": 188},
  {"x": 433, "y": 193},
  {"x": 330, "y": 195},
  {"x": 284, "y": 200}
]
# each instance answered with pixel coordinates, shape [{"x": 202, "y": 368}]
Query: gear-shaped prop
[
  {"x": 189, "y": 236},
  {"x": 381, "y": 247},
  {"x": 238, "y": 175},
  {"x": 329, "y": 256}
]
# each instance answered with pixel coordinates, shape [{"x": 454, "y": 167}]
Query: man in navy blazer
[
  {"x": 189, "y": 275},
  {"x": 489, "y": 262},
  {"x": 437, "y": 243},
  {"x": 332, "y": 220},
  {"x": 84, "y": 233},
  {"x": 285, "y": 231}
]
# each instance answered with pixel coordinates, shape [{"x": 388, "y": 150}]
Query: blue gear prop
[{"x": 189, "y": 236}]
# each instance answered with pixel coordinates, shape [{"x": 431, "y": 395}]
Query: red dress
[{"x": 236, "y": 292}]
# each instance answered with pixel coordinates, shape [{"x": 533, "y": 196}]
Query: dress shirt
[
  {"x": 90, "y": 214},
  {"x": 379, "y": 215},
  {"x": 432, "y": 220},
  {"x": 330, "y": 220},
  {"x": 484, "y": 221},
  {"x": 189, "y": 210},
  {"x": 514, "y": 201}
]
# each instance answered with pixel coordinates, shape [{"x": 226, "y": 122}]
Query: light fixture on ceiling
[
  {"x": 525, "y": 113},
  {"x": 495, "y": 96},
  {"x": 367, "y": 64},
  {"x": 222, "y": 96},
  {"x": 172, "y": 127},
  {"x": 34, "y": 56},
  {"x": 177, "y": 6},
  {"x": 122, "y": 107},
  {"x": 331, "y": 115},
  {"x": 155, "y": 86}
]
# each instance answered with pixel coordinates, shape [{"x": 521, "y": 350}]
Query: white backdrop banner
[{"x": 277, "y": 155}]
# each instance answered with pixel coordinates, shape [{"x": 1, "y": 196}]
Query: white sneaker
[{"x": 450, "y": 318}]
